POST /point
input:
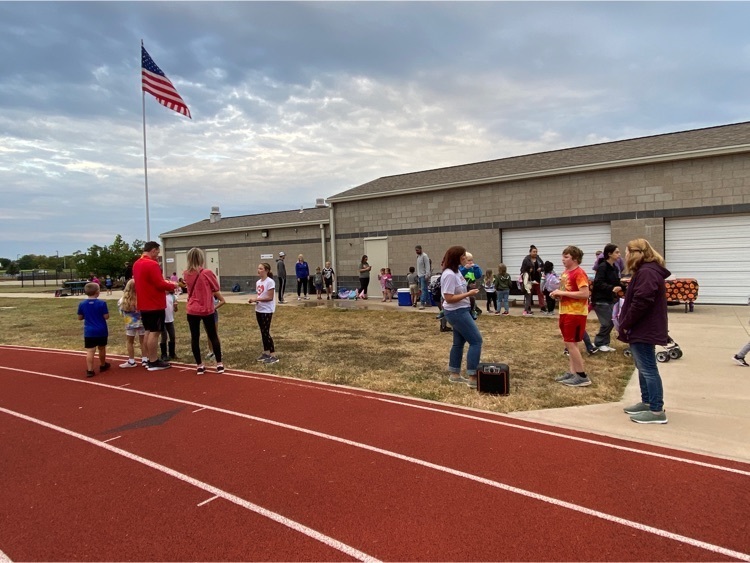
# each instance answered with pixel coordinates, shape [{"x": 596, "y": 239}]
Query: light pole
[{"x": 57, "y": 267}]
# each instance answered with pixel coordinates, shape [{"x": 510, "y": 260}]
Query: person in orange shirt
[{"x": 574, "y": 308}]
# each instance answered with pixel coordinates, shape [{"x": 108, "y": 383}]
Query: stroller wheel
[
  {"x": 662, "y": 356},
  {"x": 675, "y": 353},
  {"x": 627, "y": 353}
]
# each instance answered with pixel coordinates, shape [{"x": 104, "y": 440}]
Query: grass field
[{"x": 389, "y": 351}]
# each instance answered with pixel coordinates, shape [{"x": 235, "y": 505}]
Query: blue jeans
[
  {"x": 652, "y": 392},
  {"x": 604, "y": 315},
  {"x": 464, "y": 330},
  {"x": 423, "y": 285},
  {"x": 502, "y": 299}
]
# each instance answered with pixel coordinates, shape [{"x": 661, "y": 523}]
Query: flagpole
[{"x": 145, "y": 160}]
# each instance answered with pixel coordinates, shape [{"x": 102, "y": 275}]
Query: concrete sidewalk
[{"x": 706, "y": 394}]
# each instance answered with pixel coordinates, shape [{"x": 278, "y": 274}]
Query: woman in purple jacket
[{"x": 643, "y": 324}]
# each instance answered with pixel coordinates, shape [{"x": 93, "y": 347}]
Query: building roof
[
  {"x": 724, "y": 139},
  {"x": 275, "y": 219}
]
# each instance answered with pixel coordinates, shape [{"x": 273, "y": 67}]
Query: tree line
[{"x": 101, "y": 260}]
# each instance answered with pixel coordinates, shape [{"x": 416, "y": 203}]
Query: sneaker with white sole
[
  {"x": 128, "y": 364},
  {"x": 210, "y": 356},
  {"x": 458, "y": 379},
  {"x": 200, "y": 370},
  {"x": 650, "y": 417},
  {"x": 219, "y": 368},
  {"x": 740, "y": 360},
  {"x": 576, "y": 381},
  {"x": 606, "y": 349},
  {"x": 271, "y": 360},
  {"x": 262, "y": 358},
  {"x": 158, "y": 365},
  {"x": 564, "y": 376},
  {"x": 636, "y": 408}
]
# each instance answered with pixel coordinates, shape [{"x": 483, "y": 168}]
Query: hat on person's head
[{"x": 282, "y": 253}]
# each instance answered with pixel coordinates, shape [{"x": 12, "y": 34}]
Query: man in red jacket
[{"x": 150, "y": 292}]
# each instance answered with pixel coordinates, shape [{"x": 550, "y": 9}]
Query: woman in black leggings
[
  {"x": 202, "y": 288},
  {"x": 364, "y": 277}
]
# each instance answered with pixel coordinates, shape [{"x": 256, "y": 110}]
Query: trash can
[{"x": 404, "y": 297}]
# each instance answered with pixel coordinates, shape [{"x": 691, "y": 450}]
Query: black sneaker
[
  {"x": 158, "y": 365},
  {"x": 740, "y": 361},
  {"x": 90, "y": 373},
  {"x": 105, "y": 367},
  {"x": 200, "y": 370},
  {"x": 593, "y": 351},
  {"x": 219, "y": 368}
]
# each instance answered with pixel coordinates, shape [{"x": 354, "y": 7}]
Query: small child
[
  {"x": 437, "y": 297},
  {"x": 108, "y": 284},
  {"x": 413, "y": 280},
  {"x": 381, "y": 279},
  {"x": 94, "y": 314},
  {"x": 133, "y": 324},
  {"x": 528, "y": 296},
  {"x": 489, "y": 289},
  {"x": 471, "y": 273},
  {"x": 318, "y": 282},
  {"x": 551, "y": 283},
  {"x": 328, "y": 276},
  {"x": 502, "y": 286},
  {"x": 167, "y": 332},
  {"x": 388, "y": 285}
]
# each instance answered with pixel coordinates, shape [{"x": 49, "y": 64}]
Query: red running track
[{"x": 136, "y": 465}]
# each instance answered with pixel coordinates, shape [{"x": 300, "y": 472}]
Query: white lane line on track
[
  {"x": 296, "y": 526},
  {"x": 111, "y": 439},
  {"x": 124, "y": 385},
  {"x": 4, "y": 558},
  {"x": 502, "y": 486},
  {"x": 374, "y": 396},
  {"x": 205, "y": 502},
  {"x": 200, "y": 409}
]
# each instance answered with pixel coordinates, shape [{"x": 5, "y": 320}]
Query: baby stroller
[{"x": 671, "y": 351}]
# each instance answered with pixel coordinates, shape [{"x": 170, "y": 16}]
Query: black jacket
[
  {"x": 643, "y": 317},
  {"x": 606, "y": 279}
]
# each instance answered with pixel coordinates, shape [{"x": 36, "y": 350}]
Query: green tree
[{"x": 107, "y": 260}]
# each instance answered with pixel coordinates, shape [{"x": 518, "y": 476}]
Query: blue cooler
[{"x": 404, "y": 297}]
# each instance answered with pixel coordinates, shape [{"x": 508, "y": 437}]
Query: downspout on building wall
[{"x": 334, "y": 264}]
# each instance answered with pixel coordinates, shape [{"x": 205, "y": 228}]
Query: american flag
[{"x": 156, "y": 83}]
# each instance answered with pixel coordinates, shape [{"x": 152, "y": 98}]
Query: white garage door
[
  {"x": 550, "y": 241},
  {"x": 713, "y": 250}
]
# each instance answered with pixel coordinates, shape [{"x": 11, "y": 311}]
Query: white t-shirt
[
  {"x": 262, "y": 288},
  {"x": 169, "y": 310},
  {"x": 453, "y": 283}
]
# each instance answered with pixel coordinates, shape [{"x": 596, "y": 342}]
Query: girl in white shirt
[
  {"x": 265, "y": 305},
  {"x": 458, "y": 313}
]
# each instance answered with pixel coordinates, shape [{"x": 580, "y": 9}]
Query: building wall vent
[{"x": 215, "y": 216}]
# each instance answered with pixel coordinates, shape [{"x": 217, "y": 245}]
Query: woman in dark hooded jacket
[{"x": 643, "y": 325}]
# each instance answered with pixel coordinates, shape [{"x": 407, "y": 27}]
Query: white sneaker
[
  {"x": 128, "y": 364},
  {"x": 606, "y": 349}
]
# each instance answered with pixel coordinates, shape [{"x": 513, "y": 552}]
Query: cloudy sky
[{"x": 295, "y": 101}]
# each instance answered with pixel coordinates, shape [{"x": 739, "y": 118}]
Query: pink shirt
[{"x": 201, "y": 287}]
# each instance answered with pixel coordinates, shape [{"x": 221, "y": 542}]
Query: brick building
[{"x": 687, "y": 192}]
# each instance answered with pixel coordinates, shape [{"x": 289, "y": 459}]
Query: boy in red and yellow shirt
[{"x": 574, "y": 308}]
